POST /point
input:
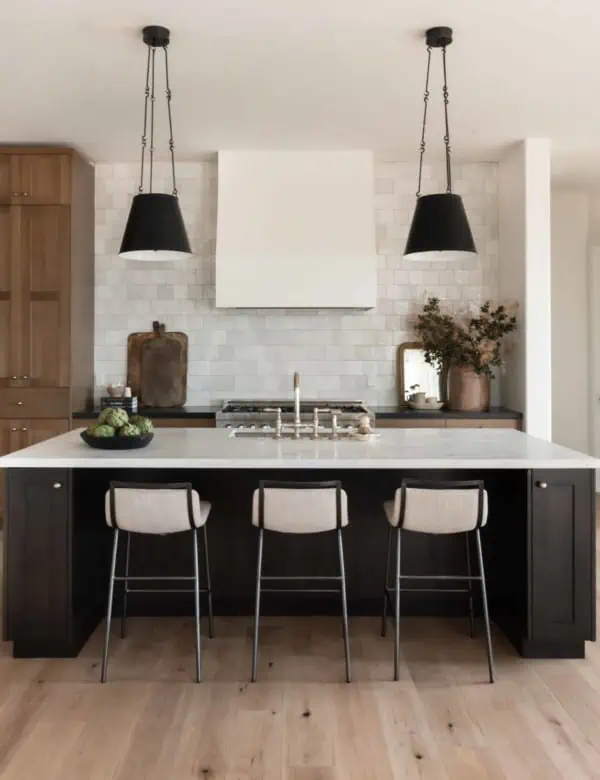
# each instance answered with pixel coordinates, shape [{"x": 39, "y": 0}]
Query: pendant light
[
  {"x": 440, "y": 228},
  {"x": 155, "y": 229}
]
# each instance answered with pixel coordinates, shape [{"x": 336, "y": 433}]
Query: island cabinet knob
[
  {"x": 57, "y": 485},
  {"x": 542, "y": 485}
]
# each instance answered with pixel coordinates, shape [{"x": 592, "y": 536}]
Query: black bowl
[{"x": 117, "y": 442}]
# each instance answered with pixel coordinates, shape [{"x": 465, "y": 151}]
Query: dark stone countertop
[
  {"x": 381, "y": 412},
  {"x": 173, "y": 412}
]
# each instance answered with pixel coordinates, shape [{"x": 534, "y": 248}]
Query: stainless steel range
[
  {"x": 283, "y": 417},
  {"x": 254, "y": 414}
]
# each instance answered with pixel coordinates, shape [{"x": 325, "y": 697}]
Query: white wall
[
  {"x": 511, "y": 270},
  {"x": 570, "y": 320},
  {"x": 524, "y": 276},
  {"x": 345, "y": 354}
]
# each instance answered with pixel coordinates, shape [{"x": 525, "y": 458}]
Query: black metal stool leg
[
  {"x": 125, "y": 586},
  {"x": 488, "y": 634},
  {"x": 257, "y": 605},
  {"x": 344, "y": 606},
  {"x": 197, "y": 604},
  {"x": 211, "y": 631},
  {"x": 471, "y": 611},
  {"x": 386, "y": 582},
  {"x": 111, "y": 593},
  {"x": 397, "y": 609}
]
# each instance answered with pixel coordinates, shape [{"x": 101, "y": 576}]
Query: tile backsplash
[{"x": 253, "y": 353}]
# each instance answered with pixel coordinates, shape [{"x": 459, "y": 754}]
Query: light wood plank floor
[{"x": 442, "y": 721}]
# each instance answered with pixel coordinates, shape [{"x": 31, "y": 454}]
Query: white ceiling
[{"x": 305, "y": 74}]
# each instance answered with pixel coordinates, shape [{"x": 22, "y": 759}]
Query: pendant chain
[
  {"x": 447, "y": 136},
  {"x": 171, "y": 141},
  {"x": 422, "y": 146},
  {"x": 149, "y": 100},
  {"x": 144, "y": 132},
  {"x": 425, "y": 105}
]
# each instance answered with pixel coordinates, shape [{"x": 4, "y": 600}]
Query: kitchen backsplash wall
[{"x": 253, "y": 353}]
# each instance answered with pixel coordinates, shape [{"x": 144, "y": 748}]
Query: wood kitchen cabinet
[
  {"x": 406, "y": 421},
  {"x": 32, "y": 177},
  {"x": 47, "y": 275},
  {"x": 46, "y": 292},
  {"x": 43, "y": 256},
  {"x": 34, "y": 295}
]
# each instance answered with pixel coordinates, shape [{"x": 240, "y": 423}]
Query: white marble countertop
[{"x": 202, "y": 448}]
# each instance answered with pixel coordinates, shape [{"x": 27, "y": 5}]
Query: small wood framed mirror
[{"x": 414, "y": 374}]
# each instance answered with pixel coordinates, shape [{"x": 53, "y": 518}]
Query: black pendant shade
[
  {"x": 155, "y": 229},
  {"x": 440, "y": 228},
  {"x": 439, "y": 225}
]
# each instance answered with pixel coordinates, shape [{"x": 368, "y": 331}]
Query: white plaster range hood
[{"x": 295, "y": 229}]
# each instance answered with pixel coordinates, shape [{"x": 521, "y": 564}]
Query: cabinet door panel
[
  {"x": 9, "y": 296},
  {"x": 45, "y": 295},
  {"x": 41, "y": 178},
  {"x": 35, "y": 431},
  {"x": 5, "y": 183},
  {"x": 562, "y": 555}
]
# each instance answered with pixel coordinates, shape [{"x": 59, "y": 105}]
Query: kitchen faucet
[{"x": 297, "y": 422}]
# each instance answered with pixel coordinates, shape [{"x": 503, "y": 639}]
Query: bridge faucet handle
[
  {"x": 277, "y": 411},
  {"x": 296, "y": 380}
]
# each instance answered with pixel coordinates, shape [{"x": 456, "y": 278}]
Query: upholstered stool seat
[
  {"x": 458, "y": 507},
  {"x": 300, "y": 508},
  {"x": 158, "y": 509}
]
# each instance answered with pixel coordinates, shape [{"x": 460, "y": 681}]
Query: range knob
[
  {"x": 228, "y": 425},
  {"x": 252, "y": 427},
  {"x": 266, "y": 427}
]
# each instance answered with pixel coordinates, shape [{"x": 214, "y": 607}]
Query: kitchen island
[{"x": 539, "y": 543}]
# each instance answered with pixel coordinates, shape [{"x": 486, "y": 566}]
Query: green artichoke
[
  {"x": 129, "y": 430},
  {"x": 103, "y": 431},
  {"x": 91, "y": 428},
  {"x": 115, "y": 417},
  {"x": 143, "y": 423}
]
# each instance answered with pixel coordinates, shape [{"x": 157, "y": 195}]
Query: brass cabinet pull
[
  {"x": 24, "y": 377},
  {"x": 19, "y": 403},
  {"x": 57, "y": 485},
  {"x": 25, "y": 194},
  {"x": 24, "y": 429},
  {"x": 16, "y": 194},
  {"x": 14, "y": 377},
  {"x": 542, "y": 485},
  {"x": 14, "y": 430}
]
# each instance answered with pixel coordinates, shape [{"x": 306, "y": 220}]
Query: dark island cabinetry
[{"x": 561, "y": 549}]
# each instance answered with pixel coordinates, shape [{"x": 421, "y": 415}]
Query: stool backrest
[
  {"x": 152, "y": 508},
  {"x": 435, "y": 507},
  {"x": 300, "y": 507}
]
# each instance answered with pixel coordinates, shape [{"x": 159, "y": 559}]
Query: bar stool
[
  {"x": 437, "y": 508},
  {"x": 151, "y": 508},
  {"x": 300, "y": 508}
]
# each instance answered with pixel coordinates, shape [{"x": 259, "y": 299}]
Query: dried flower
[{"x": 473, "y": 339}]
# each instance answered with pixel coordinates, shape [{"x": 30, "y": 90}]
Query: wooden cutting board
[{"x": 157, "y": 364}]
